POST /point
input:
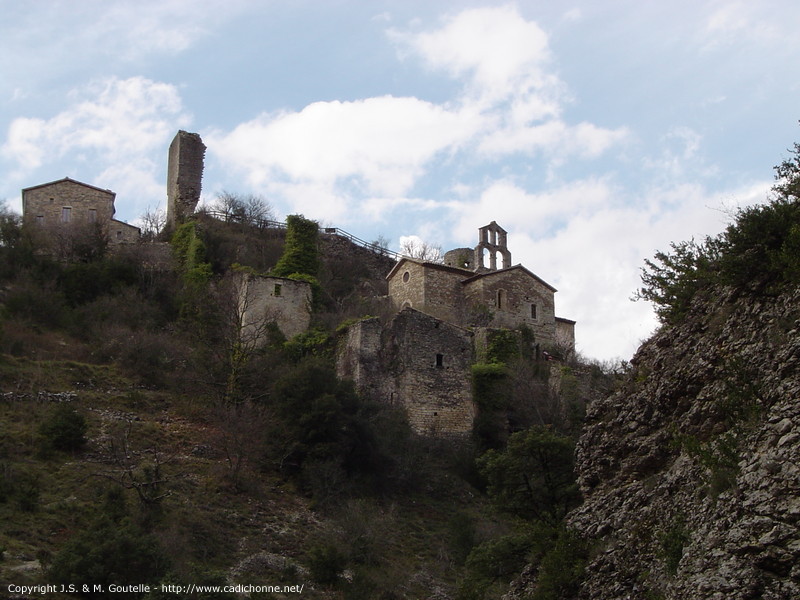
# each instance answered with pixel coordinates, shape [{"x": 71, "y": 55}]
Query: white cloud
[
  {"x": 381, "y": 147},
  {"x": 380, "y": 144},
  {"x": 498, "y": 50},
  {"x": 116, "y": 117},
  {"x": 734, "y": 22},
  {"x": 112, "y": 128},
  {"x": 589, "y": 239},
  {"x": 555, "y": 138}
]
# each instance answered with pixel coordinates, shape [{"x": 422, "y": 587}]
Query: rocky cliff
[{"x": 691, "y": 471}]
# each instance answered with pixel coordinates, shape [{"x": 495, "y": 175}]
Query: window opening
[
  {"x": 66, "y": 213},
  {"x": 440, "y": 360},
  {"x": 501, "y": 299},
  {"x": 92, "y": 215},
  {"x": 405, "y": 277},
  {"x": 533, "y": 311},
  {"x": 277, "y": 290}
]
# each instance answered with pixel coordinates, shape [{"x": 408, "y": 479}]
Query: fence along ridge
[{"x": 270, "y": 224}]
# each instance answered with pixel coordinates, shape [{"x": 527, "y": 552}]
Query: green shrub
[
  {"x": 534, "y": 476},
  {"x": 503, "y": 346},
  {"x": 107, "y": 553},
  {"x": 326, "y": 562},
  {"x": 462, "y": 537},
  {"x": 64, "y": 428},
  {"x": 562, "y": 567},
  {"x": 672, "y": 542},
  {"x": 495, "y": 561},
  {"x": 300, "y": 253}
]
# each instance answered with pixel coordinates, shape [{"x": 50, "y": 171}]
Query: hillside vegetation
[
  {"x": 141, "y": 442},
  {"x": 689, "y": 471}
]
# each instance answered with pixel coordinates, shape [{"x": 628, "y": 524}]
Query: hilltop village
[
  {"x": 251, "y": 402},
  {"x": 445, "y": 313}
]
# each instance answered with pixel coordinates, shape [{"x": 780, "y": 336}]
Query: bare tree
[
  {"x": 249, "y": 209},
  {"x": 153, "y": 222},
  {"x": 414, "y": 247},
  {"x": 139, "y": 470}
]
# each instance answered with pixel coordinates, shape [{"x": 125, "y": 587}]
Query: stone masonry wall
[
  {"x": 358, "y": 358},
  {"x": 48, "y": 202},
  {"x": 444, "y": 294},
  {"x": 184, "y": 176},
  {"x": 520, "y": 291},
  {"x": 430, "y": 361},
  {"x": 417, "y": 362},
  {"x": 407, "y": 286},
  {"x": 266, "y": 299}
]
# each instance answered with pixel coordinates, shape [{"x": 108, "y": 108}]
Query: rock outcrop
[{"x": 691, "y": 471}]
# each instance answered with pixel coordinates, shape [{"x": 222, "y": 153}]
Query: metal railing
[{"x": 270, "y": 224}]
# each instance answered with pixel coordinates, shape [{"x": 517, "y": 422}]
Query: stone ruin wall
[
  {"x": 184, "y": 176},
  {"x": 263, "y": 300},
  {"x": 417, "y": 362}
]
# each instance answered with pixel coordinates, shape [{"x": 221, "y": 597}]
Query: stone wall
[
  {"x": 565, "y": 333},
  {"x": 67, "y": 202},
  {"x": 263, "y": 300},
  {"x": 430, "y": 288},
  {"x": 68, "y": 209},
  {"x": 417, "y": 362},
  {"x": 184, "y": 176},
  {"x": 122, "y": 233},
  {"x": 517, "y": 292}
]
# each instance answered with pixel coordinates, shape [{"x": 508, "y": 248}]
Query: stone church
[{"x": 421, "y": 359}]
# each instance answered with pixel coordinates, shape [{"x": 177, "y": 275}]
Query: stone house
[
  {"x": 421, "y": 359},
  {"x": 68, "y": 205},
  {"x": 263, "y": 300}
]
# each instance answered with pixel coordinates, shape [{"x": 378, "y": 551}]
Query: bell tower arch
[{"x": 492, "y": 241}]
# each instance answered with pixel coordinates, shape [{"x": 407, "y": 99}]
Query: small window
[
  {"x": 277, "y": 290},
  {"x": 52, "y": 200},
  {"x": 440, "y": 360},
  {"x": 119, "y": 234},
  {"x": 66, "y": 214},
  {"x": 40, "y": 220},
  {"x": 501, "y": 299},
  {"x": 406, "y": 277},
  {"x": 533, "y": 311},
  {"x": 92, "y": 215}
]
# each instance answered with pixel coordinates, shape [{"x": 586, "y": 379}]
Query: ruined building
[
  {"x": 421, "y": 359},
  {"x": 68, "y": 206},
  {"x": 263, "y": 300},
  {"x": 184, "y": 176}
]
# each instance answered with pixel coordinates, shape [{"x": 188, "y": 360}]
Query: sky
[{"x": 594, "y": 132}]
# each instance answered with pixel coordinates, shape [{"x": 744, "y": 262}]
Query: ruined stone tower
[{"x": 184, "y": 176}]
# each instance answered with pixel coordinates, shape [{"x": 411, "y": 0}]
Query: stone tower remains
[{"x": 184, "y": 176}]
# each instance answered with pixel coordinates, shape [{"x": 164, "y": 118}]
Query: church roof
[
  {"x": 487, "y": 274},
  {"x": 432, "y": 265}
]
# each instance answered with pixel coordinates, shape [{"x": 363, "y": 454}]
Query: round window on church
[{"x": 405, "y": 277}]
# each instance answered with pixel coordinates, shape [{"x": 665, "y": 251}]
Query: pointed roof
[
  {"x": 432, "y": 265},
  {"x": 477, "y": 276},
  {"x": 67, "y": 179}
]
